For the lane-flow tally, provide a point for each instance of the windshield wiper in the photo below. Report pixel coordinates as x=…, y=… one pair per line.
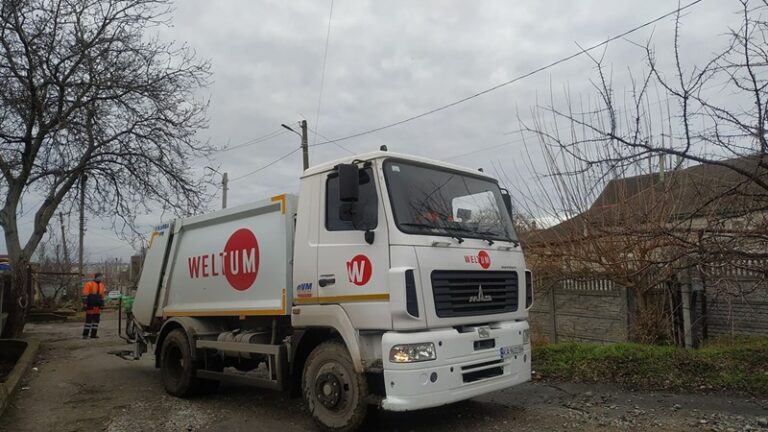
x=486, y=233
x=509, y=239
x=513, y=241
x=482, y=234
x=446, y=229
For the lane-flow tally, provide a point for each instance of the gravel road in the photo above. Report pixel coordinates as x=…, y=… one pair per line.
x=76, y=385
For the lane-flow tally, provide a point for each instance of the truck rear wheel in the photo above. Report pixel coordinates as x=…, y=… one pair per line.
x=177, y=369
x=334, y=393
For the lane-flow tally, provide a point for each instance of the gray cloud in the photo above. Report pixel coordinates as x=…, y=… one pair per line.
x=390, y=60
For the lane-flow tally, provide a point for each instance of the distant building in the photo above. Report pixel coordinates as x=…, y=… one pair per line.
x=706, y=221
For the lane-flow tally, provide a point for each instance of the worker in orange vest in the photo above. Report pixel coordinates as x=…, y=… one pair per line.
x=93, y=300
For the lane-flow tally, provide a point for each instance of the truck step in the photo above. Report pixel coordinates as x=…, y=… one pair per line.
x=240, y=379
x=277, y=364
x=240, y=347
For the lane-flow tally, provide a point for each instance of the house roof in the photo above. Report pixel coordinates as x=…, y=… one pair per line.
x=700, y=190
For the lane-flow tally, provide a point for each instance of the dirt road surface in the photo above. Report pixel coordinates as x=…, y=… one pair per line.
x=77, y=386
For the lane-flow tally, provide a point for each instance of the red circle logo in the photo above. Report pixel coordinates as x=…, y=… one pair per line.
x=241, y=259
x=484, y=259
x=359, y=270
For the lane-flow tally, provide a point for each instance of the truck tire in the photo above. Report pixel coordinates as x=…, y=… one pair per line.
x=177, y=369
x=335, y=394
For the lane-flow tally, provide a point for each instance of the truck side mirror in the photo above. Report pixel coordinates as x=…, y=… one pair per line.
x=349, y=182
x=347, y=212
x=507, y=198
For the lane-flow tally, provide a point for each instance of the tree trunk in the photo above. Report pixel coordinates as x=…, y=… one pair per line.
x=19, y=294
x=686, y=307
x=704, y=317
x=18, y=299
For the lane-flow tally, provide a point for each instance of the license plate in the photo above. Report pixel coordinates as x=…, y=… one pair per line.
x=510, y=350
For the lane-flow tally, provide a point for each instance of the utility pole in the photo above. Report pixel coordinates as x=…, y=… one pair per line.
x=82, y=223
x=304, y=141
x=64, y=240
x=305, y=144
x=224, y=182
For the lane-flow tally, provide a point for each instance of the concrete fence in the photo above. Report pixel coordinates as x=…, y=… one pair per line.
x=738, y=306
x=599, y=310
x=594, y=310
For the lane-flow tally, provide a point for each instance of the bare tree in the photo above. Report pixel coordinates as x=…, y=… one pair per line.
x=87, y=90
x=712, y=216
x=697, y=128
x=618, y=236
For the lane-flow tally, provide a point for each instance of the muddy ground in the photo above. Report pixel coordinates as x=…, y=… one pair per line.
x=6, y=366
x=77, y=386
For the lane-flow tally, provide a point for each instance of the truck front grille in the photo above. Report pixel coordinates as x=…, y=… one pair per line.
x=468, y=293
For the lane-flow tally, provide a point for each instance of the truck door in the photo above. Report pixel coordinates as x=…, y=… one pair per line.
x=350, y=270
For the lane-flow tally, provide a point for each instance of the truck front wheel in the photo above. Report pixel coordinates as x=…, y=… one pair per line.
x=176, y=367
x=334, y=393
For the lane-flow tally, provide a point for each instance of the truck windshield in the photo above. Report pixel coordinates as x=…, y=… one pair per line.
x=435, y=201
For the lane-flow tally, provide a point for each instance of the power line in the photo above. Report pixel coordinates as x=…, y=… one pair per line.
x=514, y=80
x=328, y=139
x=557, y=131
x=443, y=107
x=267, y=165
x=288, y=154
x=322, y=76
x=482, y=149
x=103, y=251
x=274, y=134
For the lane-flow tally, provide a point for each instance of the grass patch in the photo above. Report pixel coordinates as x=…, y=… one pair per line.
x=723, y=364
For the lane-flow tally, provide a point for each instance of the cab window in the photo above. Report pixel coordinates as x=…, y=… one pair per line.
x=362, y=215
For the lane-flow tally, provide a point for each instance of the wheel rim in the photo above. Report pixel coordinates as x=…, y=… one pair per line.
x=332, y=387
x=174, y=362
x=328, y=389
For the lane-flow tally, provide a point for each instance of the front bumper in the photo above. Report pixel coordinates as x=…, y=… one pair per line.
x=460, y=371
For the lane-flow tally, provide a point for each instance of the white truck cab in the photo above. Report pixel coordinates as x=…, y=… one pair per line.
x=390, y=279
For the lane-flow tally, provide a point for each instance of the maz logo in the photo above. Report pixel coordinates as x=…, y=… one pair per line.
x=480, y=297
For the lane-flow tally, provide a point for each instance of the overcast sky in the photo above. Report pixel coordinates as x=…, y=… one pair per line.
x=390, y=60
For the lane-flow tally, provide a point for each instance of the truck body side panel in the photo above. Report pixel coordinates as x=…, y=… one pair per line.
x=233, y=262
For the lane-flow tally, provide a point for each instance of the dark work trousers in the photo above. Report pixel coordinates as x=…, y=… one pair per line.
x=91, y=324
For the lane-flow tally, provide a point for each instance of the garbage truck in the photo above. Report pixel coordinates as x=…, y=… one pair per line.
x=389, y=280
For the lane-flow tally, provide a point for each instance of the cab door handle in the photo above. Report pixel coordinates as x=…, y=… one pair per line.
x=326, y=282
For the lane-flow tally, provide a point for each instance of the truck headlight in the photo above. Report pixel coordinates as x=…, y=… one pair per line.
x=410, y=353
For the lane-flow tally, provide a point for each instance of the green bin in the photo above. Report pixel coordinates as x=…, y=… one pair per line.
x=128, y=303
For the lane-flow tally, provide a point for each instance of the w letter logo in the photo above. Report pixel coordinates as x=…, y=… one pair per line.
x=359, y=270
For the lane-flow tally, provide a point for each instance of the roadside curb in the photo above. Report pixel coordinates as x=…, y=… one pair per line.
x=13, y=382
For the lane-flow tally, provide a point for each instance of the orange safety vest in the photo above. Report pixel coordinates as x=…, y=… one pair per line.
x=93, y=296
